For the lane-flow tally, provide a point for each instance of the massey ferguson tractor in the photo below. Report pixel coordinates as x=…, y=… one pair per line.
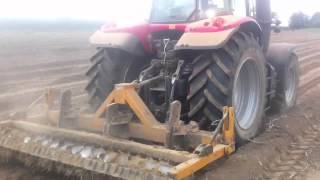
x=168, y=96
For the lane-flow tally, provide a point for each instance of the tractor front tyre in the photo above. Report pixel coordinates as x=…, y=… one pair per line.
x=110, y=67
x=234, y=75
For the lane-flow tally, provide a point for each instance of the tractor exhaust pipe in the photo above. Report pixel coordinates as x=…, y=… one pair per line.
x=264, y=17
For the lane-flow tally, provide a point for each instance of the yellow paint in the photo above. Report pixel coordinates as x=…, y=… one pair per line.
x=150, y=129
x=186, y=169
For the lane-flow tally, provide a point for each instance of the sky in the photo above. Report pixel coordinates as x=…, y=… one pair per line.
x=104, y=10
x=285, y=8
x=73, y=9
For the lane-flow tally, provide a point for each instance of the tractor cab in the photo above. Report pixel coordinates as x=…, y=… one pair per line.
x=181, y=11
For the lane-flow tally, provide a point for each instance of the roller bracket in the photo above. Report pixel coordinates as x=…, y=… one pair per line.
x=174, y=118
x=65, y=107
x=118, y=117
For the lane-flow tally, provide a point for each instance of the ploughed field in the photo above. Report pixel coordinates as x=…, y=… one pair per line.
x=32, y=61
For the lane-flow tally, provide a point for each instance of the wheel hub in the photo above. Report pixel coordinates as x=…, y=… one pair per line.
x=246, y=93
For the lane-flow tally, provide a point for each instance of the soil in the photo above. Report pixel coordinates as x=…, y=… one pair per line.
x=33, y=61
x=16, y=171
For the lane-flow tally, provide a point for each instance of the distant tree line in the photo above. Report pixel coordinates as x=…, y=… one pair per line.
x=300, y=20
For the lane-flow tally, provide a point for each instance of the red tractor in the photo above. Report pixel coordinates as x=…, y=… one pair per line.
x=200, y=53
x=171, y=95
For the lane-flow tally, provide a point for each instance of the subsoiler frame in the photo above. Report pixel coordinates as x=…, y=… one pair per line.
x=150, y=129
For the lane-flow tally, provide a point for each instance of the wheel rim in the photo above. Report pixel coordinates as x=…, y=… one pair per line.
x=290, y=90
x=247, y=93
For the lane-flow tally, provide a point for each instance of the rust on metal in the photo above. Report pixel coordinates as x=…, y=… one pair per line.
x=174, y=118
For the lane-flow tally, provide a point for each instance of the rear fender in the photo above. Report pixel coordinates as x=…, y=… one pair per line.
x=215, y=33
x=120, y=40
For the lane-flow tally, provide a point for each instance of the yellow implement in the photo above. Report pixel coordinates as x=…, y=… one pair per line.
x=123, y=139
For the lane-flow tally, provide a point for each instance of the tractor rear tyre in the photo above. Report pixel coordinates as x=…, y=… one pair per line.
x=288, y=83
x=234, y=75
x=110, y=67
